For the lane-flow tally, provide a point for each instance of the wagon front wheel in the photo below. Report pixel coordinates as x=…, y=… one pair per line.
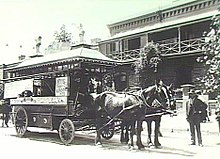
x=66, y=131
x=21, y=121
x=108, y=132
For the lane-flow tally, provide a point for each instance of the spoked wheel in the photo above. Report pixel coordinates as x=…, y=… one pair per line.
x=21, y=121
x=108, y=131
x=66, y=131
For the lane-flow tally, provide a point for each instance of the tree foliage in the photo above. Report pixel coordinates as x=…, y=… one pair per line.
x=63, y=35
x=211, y=59
x=149, y=57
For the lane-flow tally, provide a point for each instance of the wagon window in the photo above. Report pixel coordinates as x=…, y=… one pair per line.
x=45, y=87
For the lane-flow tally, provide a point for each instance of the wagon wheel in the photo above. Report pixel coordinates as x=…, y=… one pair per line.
x=21, y=121
x=66, y=131
x=108, y=131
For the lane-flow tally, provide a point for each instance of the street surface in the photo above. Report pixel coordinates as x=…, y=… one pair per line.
x=41, y=143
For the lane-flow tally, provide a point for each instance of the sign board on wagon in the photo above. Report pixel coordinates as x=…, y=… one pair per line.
x=62, y=85
x=13, y=89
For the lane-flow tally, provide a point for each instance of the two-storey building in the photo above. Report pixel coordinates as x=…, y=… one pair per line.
x=179, y=31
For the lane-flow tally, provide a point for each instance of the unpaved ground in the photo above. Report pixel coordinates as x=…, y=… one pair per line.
x=175, y=144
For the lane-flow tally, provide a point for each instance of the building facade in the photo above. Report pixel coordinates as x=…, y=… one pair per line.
x=178, y=29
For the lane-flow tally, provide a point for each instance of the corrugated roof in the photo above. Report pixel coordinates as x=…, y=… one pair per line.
x=69, y=55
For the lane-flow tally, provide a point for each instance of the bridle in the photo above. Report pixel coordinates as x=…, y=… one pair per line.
x=158, y=92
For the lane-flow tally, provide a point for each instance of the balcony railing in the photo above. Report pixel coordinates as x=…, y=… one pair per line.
x=126, y=55
x=175, y=48
x=186, y=46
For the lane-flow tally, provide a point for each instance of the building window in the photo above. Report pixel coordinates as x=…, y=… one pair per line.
x=125, y=45
x=134, y=43
x=112, y=47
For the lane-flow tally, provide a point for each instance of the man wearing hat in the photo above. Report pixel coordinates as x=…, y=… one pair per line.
x=194, y=111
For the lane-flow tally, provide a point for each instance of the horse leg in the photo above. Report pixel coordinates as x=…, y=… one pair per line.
x=126, y=137
x=132, y=132
x=98, y=131
x=159, y=133
x=149, y=129
x=157, y=126
x=122, y=132
x=98, y=138
x=139, y=129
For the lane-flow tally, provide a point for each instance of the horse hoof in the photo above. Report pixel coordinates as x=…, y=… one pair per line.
x=157, y=144
x=141, y=147
x=150, y=144
x=99, y=144
x=131, y=147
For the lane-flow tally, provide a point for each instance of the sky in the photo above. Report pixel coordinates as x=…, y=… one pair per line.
x=22, y=21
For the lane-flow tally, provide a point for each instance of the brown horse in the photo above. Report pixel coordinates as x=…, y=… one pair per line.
x=129, y=108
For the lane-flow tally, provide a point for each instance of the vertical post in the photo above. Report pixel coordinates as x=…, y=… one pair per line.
x=147, y=38
x=120, y=48
x=179, y=39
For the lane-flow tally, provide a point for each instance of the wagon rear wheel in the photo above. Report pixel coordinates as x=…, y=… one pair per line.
x=21, y=121
x=66, y=131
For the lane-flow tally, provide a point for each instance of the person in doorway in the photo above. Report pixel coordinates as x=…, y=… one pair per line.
x=194, y=110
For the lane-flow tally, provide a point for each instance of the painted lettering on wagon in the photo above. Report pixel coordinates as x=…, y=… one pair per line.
x=40, y=101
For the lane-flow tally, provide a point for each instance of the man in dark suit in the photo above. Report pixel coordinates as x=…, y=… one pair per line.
x=194, y=111
x=6, y=110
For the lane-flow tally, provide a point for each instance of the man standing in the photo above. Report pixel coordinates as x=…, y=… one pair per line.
x=194, y=110
x=6, y=110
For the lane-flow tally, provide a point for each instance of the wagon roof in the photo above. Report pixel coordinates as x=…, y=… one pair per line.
x=78, y=54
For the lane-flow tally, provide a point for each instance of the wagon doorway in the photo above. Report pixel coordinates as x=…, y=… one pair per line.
x=183, y=76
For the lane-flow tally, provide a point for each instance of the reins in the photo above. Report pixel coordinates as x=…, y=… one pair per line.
x=112, y=119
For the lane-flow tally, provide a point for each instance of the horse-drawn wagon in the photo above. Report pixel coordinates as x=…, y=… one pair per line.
x=54, y=91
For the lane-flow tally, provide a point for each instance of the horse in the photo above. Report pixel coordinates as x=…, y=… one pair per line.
x=122, y=106
x=130, y=108
x=158, y=99
x=154, y=115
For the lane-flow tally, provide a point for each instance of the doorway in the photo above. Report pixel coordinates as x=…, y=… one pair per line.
x=183, y=76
